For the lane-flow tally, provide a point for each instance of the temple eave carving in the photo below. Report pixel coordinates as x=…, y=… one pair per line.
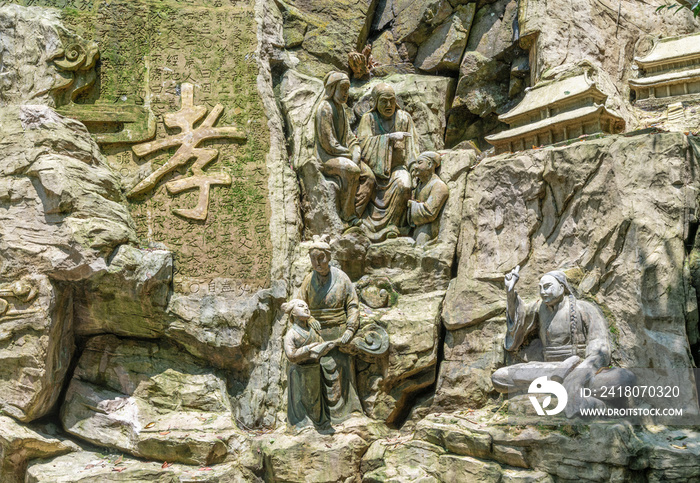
x=565, y=126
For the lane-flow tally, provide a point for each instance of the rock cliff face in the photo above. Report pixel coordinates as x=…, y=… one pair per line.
x=139, y=345
x=62, y=217
x=602, y=212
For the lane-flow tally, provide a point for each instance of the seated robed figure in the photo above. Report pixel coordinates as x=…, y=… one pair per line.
x=337, y=147
x=575, y=340
x=390, y=145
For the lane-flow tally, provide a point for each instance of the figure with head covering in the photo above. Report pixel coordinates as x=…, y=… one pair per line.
x=334, y=303
x=390, y=144
x=429, y=196
x=306, y=395
x=574, y=336
x=337, y=147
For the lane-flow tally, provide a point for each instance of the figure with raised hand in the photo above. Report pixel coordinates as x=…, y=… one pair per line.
x=574, y=337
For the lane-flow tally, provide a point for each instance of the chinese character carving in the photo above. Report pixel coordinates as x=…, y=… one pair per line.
x=188, y=139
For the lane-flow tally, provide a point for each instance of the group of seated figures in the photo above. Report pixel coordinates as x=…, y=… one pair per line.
x=321, y=377
x=374, y=170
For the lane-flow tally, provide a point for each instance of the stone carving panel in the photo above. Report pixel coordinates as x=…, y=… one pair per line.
x=188, y=139
x=145, y=61
x=574, y=339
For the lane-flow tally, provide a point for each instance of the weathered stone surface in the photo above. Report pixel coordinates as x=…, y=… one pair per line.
x=32, y=75
x=619, y=236
x=468, y=128
x=308, y=456
x=413, y=21
x=93, y=467
x=443, y=49
x=386, y=54
x=596, y=453
x=483, y=84
x=19, y=444
x=405, y=459
x=491, y=77
x=456, y=468
x=455, y=435
x=401, y=460
x=36, y=68
x=471, y=355
x=492, y=29
x=602, y=40
x=525, y=476
x=283, y=186
x=329, y=32
x=129, y=297
x=386, y=386
x=63, y=210
x=483, y=92
x=599, y=452
x=36, y=347
x=150, y=400
x=221, y=329
x=669, y=463
x=239, y=334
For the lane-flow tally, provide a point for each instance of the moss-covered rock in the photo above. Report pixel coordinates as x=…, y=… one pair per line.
x=150, y=400
x=129, y=298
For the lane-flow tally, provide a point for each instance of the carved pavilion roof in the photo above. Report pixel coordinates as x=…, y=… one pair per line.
x=553, y=94
x=671, y=49
x=667, y=78
x=580, y=115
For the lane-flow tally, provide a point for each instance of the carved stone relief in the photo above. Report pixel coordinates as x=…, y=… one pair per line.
x=76, y=69
x=323, y=342
x=374, y=190
x=23, y=291
x=216, y=219
x=188, y=140
x=575, y=343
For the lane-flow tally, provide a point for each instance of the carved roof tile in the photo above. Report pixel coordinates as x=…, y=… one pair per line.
x=667, y=78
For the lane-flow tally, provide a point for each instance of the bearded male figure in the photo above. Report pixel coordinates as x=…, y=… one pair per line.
x=390, y=144
x=574, y=337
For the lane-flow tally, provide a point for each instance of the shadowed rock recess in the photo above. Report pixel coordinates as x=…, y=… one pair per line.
x=227, y=256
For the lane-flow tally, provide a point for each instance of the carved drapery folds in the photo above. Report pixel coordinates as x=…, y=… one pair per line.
x=375, y=192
